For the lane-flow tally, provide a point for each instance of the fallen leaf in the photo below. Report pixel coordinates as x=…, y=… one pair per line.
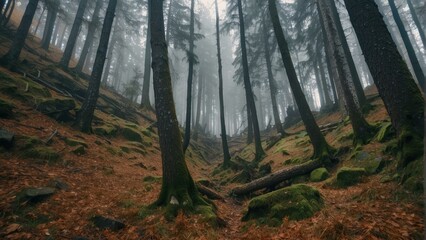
x=12, y=228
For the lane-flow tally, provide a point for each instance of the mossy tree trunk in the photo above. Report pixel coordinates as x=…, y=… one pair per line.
x=12, y=56
x=271, y=80
x=85, y=114
x=147, y=68
x=401, y=96
x=408, y=45
x=321, y=148
x=362, y=130
x=178, y=190
x=75, y=30
x=225, y=148
x=248, y=88
x=191, y=62
x=91, y=31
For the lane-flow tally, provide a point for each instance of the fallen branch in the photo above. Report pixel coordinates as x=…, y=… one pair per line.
x=51, y=136
x=275, y=178
x=210, y=193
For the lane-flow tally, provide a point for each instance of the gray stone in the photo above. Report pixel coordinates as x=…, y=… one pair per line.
x=6, y=139
x=107, y=223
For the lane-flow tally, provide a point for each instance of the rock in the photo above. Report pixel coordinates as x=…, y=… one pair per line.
x=59, y=184
x=41, y=153
x=55, y=105
x=319, y=174
x=349, y=176
x=131, y=134
x=105, y=130
x=34, y=195
x=375, y=166
x=412, y=176
x=79, y=150
x=79, y=238
x=107, y=223
x=295, y=202
x=386, y=132
x=360, y=156
x=6, y=139
x=265, y=169
x=6, y=109
x=73, y=142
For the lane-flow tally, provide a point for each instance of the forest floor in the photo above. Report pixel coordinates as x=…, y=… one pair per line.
x=117, y=171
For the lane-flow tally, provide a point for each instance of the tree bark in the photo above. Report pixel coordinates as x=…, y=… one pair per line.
x=417, y=22
x=12, y=56
x=178, y=190
x=362, y=130
x=147, y=70
x=191, y=62
x=271, y=81
x=75, y=30
x=273, y=179
x=248, y=88
x=410, y=50
x=321, y=148
x=52, y=13
x=91, y=31
x=197, y=126
x=327, y=99
x=359, y=90
x=39, y=20
x=85, y=114
x=9, y=15
x=401, y=96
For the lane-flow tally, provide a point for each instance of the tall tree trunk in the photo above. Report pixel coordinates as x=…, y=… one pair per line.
x=9, y=15
x=410, y=50
x=2, y=3
x=75, y=30
x=417, y=22
x=91, y=31
x=39, y=20
x=321, y=148
x=52, y=13
x=169, y=17
x=198, y=111
x=191, y=59
x=359, y=90
x=223, y=135
x=6, y=10
x=271, y=81
x=147, y=70
x=85, y=114
x=327, y=99
x=402, y=98
x=362, y=130
x=62, y=37
x=178, y=190
x=12, y=56
x=248, y=89
x=318, y=82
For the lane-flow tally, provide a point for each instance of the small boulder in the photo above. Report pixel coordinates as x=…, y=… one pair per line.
x=59, y=184
x=79, y=150
x=349, y=176
x=47, y=106
x=105, y=130
x=41, y=153
x=295, y=202
x=6, y=139
x=34, y=195
x=131, y=134
x=319, y=174
x=73, y=142
x=6, y=109
x=107, y=223
x=375, y=165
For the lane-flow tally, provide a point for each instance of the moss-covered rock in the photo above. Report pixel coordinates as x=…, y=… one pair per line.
x=6, y=109
x=41, y=153
x=131, y=134
x=319, y=174
x=74, y=143
x=55, y=105
x=25, y=142
x=386, y=132
x=79, y=150
x=105, y=130
x=295, y=202
x=412, y=176
x=349, y=176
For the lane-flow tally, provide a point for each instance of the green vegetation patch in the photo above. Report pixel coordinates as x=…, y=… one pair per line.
x=386, y=132
x=349, y=176
x=412, y=176
x=105, y=130
x=74, y=143
x=319, y=174
x=295, y=202
x=131, y=134
x=42, y=153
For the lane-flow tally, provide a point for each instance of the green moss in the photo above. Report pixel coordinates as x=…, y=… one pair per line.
x=386, y=132
x=152, y=179
x=79, y=150
x=26, y=142
x=412, y=176
x=295, y=161
x=319, y=174
x=295, y=202
x=105, y=130
x=349, y=176
x=55, y=105
x=42, y=153
x=73, y=142
x=131, y=134
x=410, y=148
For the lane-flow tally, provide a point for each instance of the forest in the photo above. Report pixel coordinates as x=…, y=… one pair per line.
x=212, y=119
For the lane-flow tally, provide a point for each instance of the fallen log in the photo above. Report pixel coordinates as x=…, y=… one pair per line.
x=275, y=178
x=210, y=193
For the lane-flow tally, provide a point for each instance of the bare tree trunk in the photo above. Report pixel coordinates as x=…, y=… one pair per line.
x=6, y=21
x=39, y=20
x=12, y=56
x=147, y=69
x=85, y=114
x=75, y=31
x=52, y=13
x=417, y=22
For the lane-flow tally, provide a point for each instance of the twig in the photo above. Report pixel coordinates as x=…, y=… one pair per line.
x=51, y=136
